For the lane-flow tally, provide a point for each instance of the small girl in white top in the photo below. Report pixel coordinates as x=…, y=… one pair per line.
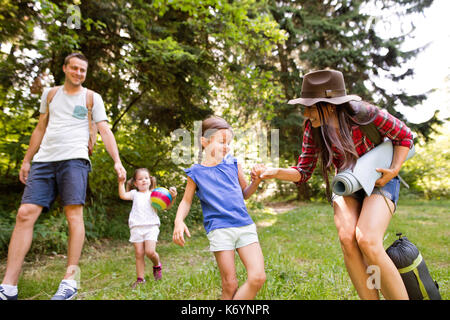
x=143, y=221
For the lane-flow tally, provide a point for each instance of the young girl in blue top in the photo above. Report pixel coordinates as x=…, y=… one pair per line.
x=219, y=182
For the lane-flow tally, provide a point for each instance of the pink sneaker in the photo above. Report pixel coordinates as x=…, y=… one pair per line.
x=157, y=272
x=137, y=283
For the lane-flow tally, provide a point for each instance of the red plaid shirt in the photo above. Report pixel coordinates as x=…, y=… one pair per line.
x=388, y=126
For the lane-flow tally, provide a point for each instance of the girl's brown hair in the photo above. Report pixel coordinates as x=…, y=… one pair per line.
x=130, y=182
x=327, y=136
x=209, y=127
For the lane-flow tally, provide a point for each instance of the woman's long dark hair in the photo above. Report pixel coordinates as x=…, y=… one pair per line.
x=326, y=137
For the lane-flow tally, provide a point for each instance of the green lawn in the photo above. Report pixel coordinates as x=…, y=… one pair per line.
x=302, y=257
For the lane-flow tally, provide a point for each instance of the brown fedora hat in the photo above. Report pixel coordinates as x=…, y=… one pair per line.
x=323, y=85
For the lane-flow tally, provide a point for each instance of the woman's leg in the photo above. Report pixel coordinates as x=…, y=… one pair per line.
x=372, y=224
x=346, y=214
x=140, y=262
x=253, y=260
x=227, y=268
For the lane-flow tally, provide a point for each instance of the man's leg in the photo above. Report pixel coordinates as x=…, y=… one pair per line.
x=74, y=215
x=20, y=242
x=71, y=177
x=68, y=287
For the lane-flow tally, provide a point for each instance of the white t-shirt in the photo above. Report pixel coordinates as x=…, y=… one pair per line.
x=67, y=133
x=142, y=213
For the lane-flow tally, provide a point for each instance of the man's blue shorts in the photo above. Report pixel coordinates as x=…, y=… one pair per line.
x=67, y=178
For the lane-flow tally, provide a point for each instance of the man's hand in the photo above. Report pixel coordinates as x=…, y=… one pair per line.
x=24, y=171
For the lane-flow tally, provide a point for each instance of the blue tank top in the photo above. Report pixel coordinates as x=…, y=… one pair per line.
x=220, y=195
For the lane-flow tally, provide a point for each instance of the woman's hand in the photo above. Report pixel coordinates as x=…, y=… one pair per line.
x=387, y=175
x=400, y=154
x=269, y=173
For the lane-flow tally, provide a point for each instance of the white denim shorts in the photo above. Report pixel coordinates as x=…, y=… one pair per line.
x=144, y=233
x=232, y=238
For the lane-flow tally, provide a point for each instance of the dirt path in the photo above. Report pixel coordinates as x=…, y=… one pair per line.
x=281, y=207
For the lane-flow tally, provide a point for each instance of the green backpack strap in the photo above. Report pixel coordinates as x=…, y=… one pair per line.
x=371, y=132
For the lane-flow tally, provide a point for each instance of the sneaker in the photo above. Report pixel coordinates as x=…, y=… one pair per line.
x=65, y=292
x=138, y=282
x=4, y=296
x=157, y=272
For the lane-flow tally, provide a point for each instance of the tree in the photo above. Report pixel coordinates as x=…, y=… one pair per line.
x=156, y=64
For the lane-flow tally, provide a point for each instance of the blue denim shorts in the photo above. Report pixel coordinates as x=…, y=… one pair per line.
x=390, y=190
x=47, y=180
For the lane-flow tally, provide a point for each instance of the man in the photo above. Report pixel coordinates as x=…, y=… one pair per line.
x=60, y=165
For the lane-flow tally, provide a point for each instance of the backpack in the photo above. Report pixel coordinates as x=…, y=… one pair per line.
x=365, y=113
x=89, y=105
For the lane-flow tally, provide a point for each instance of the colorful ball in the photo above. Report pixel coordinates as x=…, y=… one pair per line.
x=160, y=198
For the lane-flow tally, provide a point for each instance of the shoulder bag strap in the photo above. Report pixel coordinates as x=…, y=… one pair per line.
x=50, y=95
x=92, y=126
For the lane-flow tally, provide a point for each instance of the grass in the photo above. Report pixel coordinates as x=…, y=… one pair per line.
x=302, y=254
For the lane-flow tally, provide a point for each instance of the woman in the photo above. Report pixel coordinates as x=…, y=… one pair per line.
x=333, y=134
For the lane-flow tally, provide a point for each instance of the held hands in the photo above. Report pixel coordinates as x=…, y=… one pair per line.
x=121, y=179
x=256, y=172
x=178, y=233
x=260, y=171
x=121, y=172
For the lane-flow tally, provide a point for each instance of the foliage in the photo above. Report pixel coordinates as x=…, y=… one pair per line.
x=428, y=172
x=162, y=65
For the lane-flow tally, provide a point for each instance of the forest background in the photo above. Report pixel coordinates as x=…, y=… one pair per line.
x=160, y=66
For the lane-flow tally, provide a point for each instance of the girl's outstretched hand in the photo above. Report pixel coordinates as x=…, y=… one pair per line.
x=178, y=233
x=257, y=170
x=121, y=179
x=173, y=192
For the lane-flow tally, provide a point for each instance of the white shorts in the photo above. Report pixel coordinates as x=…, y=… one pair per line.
x=232, y=238
x=144, y=233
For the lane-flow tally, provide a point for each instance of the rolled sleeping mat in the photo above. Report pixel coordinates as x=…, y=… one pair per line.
x=413, y=270
x=364, y=174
